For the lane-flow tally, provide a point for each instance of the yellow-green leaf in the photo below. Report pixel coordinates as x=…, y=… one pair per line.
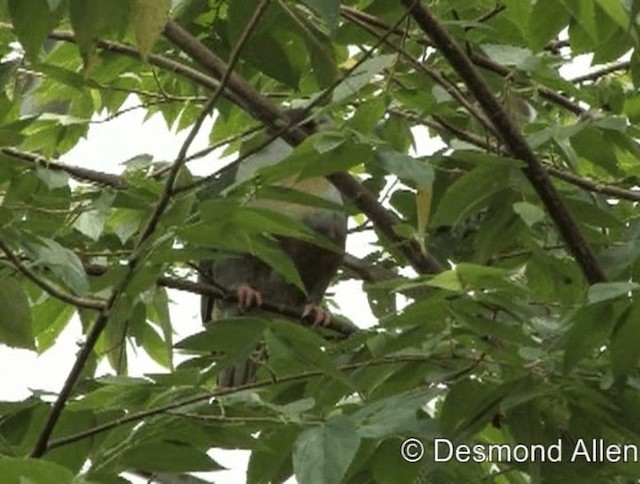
x=149, y=18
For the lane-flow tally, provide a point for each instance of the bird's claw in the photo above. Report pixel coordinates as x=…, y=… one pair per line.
x=322, y=317
x=248, y=296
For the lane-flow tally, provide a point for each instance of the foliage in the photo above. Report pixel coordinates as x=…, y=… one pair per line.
x=523, y=319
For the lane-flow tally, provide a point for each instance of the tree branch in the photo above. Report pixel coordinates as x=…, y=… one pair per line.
x=76, y=172
x=436, y=76
x=103, y=318
x=260, y=108
x=597, y=74
x=222, y=391
x=479, y=60
x=48, y=286
x=206, y=289
x=512, y=138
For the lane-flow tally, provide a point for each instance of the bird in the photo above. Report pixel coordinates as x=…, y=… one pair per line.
x=251, y=279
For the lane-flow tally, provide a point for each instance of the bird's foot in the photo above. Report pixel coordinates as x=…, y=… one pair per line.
x=248, y=296
x=322, y=317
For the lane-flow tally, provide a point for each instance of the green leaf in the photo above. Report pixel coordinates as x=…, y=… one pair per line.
x=329, y=9
x=591, y=144
x=124, y=222
x=175, y=458
x=547, y=19
x=397, y=414
x=15, y=317
x=62, y=262
x=293, y=348
x=468, y=407
x=229, y=237
x=20, y=470
x=74, y=455
x=91, y=223
x=606, y=291
x=323, y=453
x=470, y=193
x=274, y=46
x=230, y=340
x=625, y=352
x=507, y=55
x=590, y=329
x=52, y=178
x=405, y=167
x=256, y=220
x=32, y=23
x=361, y=76
x=307, y=161
x=156, y=347
x=272, y=464
x=50, y=318
x=149, y=18
x=530, y=213
x=616, y=11
x=90, y=19
x=483, y=327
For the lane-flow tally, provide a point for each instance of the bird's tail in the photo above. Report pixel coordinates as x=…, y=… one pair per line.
x=239, y=374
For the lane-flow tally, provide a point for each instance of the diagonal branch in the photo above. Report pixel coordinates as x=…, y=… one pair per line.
x=222, y=391
x=512, y=138
x=96, y=330
x=260, y=108
x=480, y=60
x=48, y=286
x=434, y=74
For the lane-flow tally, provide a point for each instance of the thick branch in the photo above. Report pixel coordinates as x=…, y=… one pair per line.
x=593, y=185
x=512, y=138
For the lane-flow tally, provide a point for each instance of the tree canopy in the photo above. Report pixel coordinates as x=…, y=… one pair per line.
x=515, y=245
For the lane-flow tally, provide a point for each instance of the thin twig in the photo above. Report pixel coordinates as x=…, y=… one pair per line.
x=47, y=286
x=597, y=74
x=103, y=318
x=222, y=391
x=436, y=76
x=78, y=173
x=218, y=292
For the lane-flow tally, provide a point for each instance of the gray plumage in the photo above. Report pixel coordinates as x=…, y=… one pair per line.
x=315, y=265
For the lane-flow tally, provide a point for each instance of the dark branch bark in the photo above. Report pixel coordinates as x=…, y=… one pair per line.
x=512, y=138
x=76, y=172
x=137, y=254
x=205, y=289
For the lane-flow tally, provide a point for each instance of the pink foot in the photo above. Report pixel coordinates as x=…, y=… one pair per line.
x=322, y=317
x=248, y=296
